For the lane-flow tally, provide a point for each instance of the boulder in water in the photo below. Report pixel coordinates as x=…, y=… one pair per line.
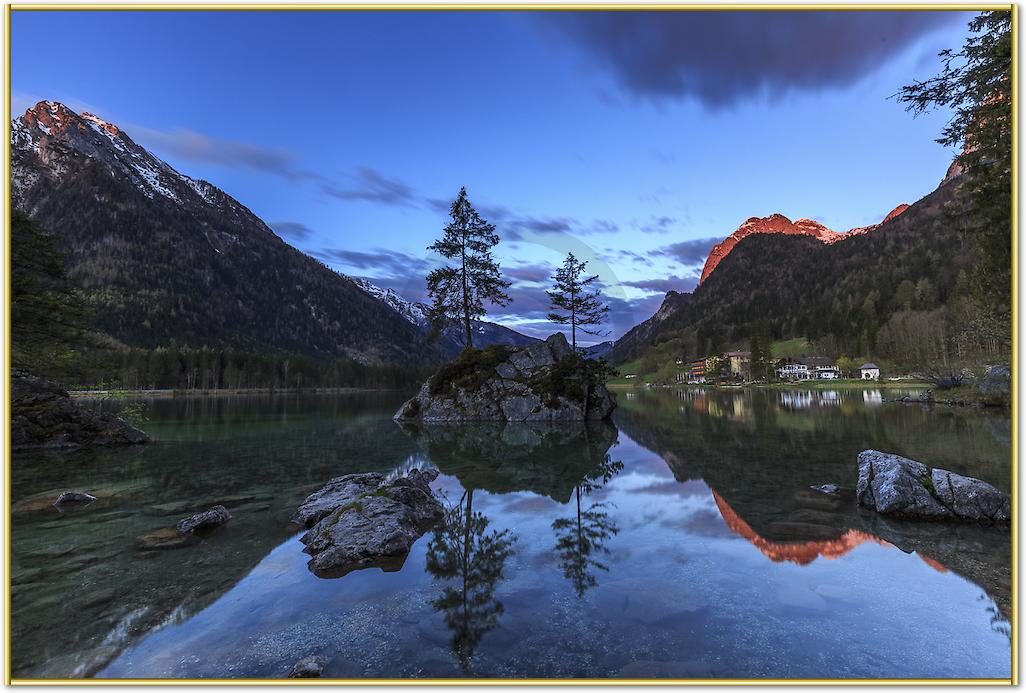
x=44, y=416
x=307, y=668
x=73, y=499
x=366, y=520
x=207, y=519
x=895, y=485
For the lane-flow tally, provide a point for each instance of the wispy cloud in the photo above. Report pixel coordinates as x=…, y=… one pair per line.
x=370, y=185
x=199, y=148
x=662, y=285
x=293, y=230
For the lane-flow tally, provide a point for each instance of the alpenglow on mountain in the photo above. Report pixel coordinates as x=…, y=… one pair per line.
x=165, y=257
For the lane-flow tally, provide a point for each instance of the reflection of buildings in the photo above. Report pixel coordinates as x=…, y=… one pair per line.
x=796, y=399
x=872, y=397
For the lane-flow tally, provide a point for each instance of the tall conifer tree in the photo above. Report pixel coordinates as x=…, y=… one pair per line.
x=574, y=296
x=458, y=291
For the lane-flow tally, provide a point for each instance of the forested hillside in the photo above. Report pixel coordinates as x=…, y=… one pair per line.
x=901, y=292
x=165, y=259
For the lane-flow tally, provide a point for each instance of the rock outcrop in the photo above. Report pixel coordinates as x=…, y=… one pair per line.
x=545, y=381
x=44, y=416
x=365, y=520
x=895, y=485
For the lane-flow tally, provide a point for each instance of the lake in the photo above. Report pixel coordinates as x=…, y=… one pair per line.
x=683, y=540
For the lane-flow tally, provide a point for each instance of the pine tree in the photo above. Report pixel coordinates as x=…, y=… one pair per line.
x=50, y=322
x=976, y=84
x=574, y=295
x=458, y=292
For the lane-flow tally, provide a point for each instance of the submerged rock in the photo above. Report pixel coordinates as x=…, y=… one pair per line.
x=214, y=517
x=365, y=520
x=73, y=498
x=44, y=416
x=828, y=489
x=307, y=668
x=895, y=485
x=544, y=381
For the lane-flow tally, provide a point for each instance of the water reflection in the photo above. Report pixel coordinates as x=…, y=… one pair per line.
x=761, y=474
x=580, y=540
x=700, y=551
x=470, y=559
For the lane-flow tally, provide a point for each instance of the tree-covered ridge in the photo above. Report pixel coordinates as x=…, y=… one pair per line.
x=180, y=260
x=901, y=291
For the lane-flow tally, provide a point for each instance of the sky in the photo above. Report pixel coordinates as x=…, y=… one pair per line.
x=635, y=140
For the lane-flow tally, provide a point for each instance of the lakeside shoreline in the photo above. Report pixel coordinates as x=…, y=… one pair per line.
x=87, y=394
x=850, y=384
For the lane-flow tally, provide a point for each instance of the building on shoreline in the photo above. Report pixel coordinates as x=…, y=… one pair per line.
x=869, y=371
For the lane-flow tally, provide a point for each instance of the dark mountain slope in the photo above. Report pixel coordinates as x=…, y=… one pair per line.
x=165, y=257
x=797, y=286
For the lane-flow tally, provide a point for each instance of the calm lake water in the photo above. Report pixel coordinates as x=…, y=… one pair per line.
x=684, y=541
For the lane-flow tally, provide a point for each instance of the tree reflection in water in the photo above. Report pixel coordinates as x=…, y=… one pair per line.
x=463, y=552
x=581, y=540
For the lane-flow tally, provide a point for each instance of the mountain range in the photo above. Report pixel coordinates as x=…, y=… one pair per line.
x=779, y=224
x=793, y=279
x=166, y=258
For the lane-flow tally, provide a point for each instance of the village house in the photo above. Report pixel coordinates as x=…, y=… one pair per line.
x=696, y=371
x=869, y=371
x=788, y=369
x=739, y=364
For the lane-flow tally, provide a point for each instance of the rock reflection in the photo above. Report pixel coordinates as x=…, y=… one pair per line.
x=546, y=459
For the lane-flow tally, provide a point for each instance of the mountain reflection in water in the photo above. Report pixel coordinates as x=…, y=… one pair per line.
x=633, y=550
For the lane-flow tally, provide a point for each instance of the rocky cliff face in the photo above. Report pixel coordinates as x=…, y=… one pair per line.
x=778, y=223
x=545, y=381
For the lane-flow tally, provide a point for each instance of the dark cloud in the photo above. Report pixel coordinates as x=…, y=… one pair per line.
x=369, y=185
x=664, y=285
x=724, y=57
x=292, y=230
x=529, y=273
x=691, y=252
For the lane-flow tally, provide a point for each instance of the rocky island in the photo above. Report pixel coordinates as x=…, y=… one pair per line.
x=545, y=381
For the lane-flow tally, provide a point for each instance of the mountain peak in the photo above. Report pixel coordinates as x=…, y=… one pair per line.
x=778, y=223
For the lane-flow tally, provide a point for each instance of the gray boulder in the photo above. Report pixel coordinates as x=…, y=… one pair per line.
x=541, y=382
x=307, y=668
x=365, y=520
x=207, y=519
x=44, y=416
x=895, y=485
x=997, y=380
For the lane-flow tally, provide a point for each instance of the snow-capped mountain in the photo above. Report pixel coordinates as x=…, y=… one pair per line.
x=417, y=314
x=162, y=256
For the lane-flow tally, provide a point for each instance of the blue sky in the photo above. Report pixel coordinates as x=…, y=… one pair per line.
x=634, y=139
